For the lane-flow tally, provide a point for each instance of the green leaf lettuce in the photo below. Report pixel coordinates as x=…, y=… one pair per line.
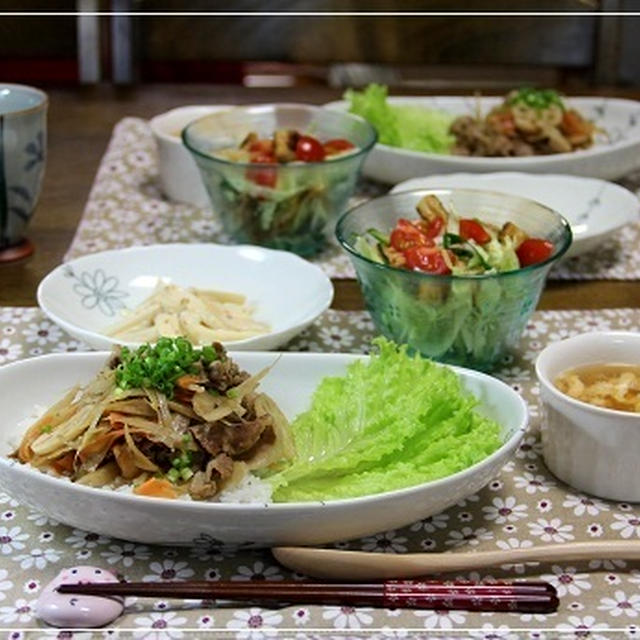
x=391, y=422
x=399, y=125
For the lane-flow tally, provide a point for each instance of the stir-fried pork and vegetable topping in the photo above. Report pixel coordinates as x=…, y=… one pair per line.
x=439, y=242
x=528, y=122
x=170, y=419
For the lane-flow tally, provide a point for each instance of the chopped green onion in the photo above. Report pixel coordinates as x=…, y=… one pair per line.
x=536, y=98
x=208, y=354
x=159, y=366
x=186, y=473
x=173, y=475
x=232, y=393
x=46, y=429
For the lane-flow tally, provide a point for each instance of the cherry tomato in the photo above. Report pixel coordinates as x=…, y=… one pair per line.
x=337, y=145
x=262, y=146
x=426, y=259
x=406, y=235
x=308, y=149
x=473, y=230
x=534, y=250
x=265, y=177
x=431, y=229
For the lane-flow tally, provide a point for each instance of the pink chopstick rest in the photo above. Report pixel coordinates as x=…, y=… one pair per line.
x=69, y=610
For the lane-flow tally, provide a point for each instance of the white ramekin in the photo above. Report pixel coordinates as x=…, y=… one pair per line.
x=179, y=176
x=590, y=448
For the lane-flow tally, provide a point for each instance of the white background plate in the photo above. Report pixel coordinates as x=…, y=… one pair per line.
x=41, y=381
x=611, y=157
x=595, y=209
x=85, y=296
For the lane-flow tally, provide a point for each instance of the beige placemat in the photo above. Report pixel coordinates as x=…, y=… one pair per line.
x=523, y=506
x=126, y=208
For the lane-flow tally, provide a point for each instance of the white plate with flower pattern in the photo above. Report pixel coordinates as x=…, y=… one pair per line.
x=595, y=209
x=615, y=153
x=87, y=295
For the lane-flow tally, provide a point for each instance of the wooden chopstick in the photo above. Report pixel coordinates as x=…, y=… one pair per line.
x=531, y=597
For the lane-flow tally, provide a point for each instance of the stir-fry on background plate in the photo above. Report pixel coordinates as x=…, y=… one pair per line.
x=88, y=295
x=595, y=209
x=41, y=381
x=614, y=154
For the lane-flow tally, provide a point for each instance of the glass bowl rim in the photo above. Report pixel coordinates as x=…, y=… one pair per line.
x=564, y=226
x=373, y=135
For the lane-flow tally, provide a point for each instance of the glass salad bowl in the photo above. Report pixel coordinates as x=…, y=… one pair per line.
x=282, y=205
x=467, y=320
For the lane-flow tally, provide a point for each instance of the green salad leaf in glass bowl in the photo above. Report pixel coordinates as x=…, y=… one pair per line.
x=278, y=174
x=455, y=274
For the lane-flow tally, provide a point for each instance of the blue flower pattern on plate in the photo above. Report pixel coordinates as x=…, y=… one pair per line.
x=98, y=290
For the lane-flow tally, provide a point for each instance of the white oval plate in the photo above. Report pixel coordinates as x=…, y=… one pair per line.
x=608, y=158
x=595, y=209
x=41, y=381
x=87, y=295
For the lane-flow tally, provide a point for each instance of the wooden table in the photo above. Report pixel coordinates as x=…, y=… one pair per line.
x=80, y=125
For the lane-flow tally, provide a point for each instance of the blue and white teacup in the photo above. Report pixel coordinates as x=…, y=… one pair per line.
x=23, y=145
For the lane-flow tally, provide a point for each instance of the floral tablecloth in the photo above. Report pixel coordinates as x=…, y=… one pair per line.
x=522, y=507
x=126, y=208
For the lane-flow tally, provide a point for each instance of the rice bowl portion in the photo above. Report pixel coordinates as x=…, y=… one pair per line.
x=230, y=519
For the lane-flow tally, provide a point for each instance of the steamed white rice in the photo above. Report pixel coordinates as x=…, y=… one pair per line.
x=250, y=490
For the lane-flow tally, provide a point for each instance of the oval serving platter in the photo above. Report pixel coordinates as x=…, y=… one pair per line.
x=613, y=155
x=42, y=380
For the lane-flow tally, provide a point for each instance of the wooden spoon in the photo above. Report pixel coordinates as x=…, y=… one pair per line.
x=361, y=565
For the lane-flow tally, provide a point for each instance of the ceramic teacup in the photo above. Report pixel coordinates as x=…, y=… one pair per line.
x=23, y=144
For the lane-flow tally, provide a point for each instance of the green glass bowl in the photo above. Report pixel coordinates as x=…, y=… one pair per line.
x=471, y=321
x=282, y=206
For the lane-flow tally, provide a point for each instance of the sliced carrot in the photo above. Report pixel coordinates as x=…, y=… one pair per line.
x=156, y=488
x=64, y=464
x=185, y=381
x=573, y=124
